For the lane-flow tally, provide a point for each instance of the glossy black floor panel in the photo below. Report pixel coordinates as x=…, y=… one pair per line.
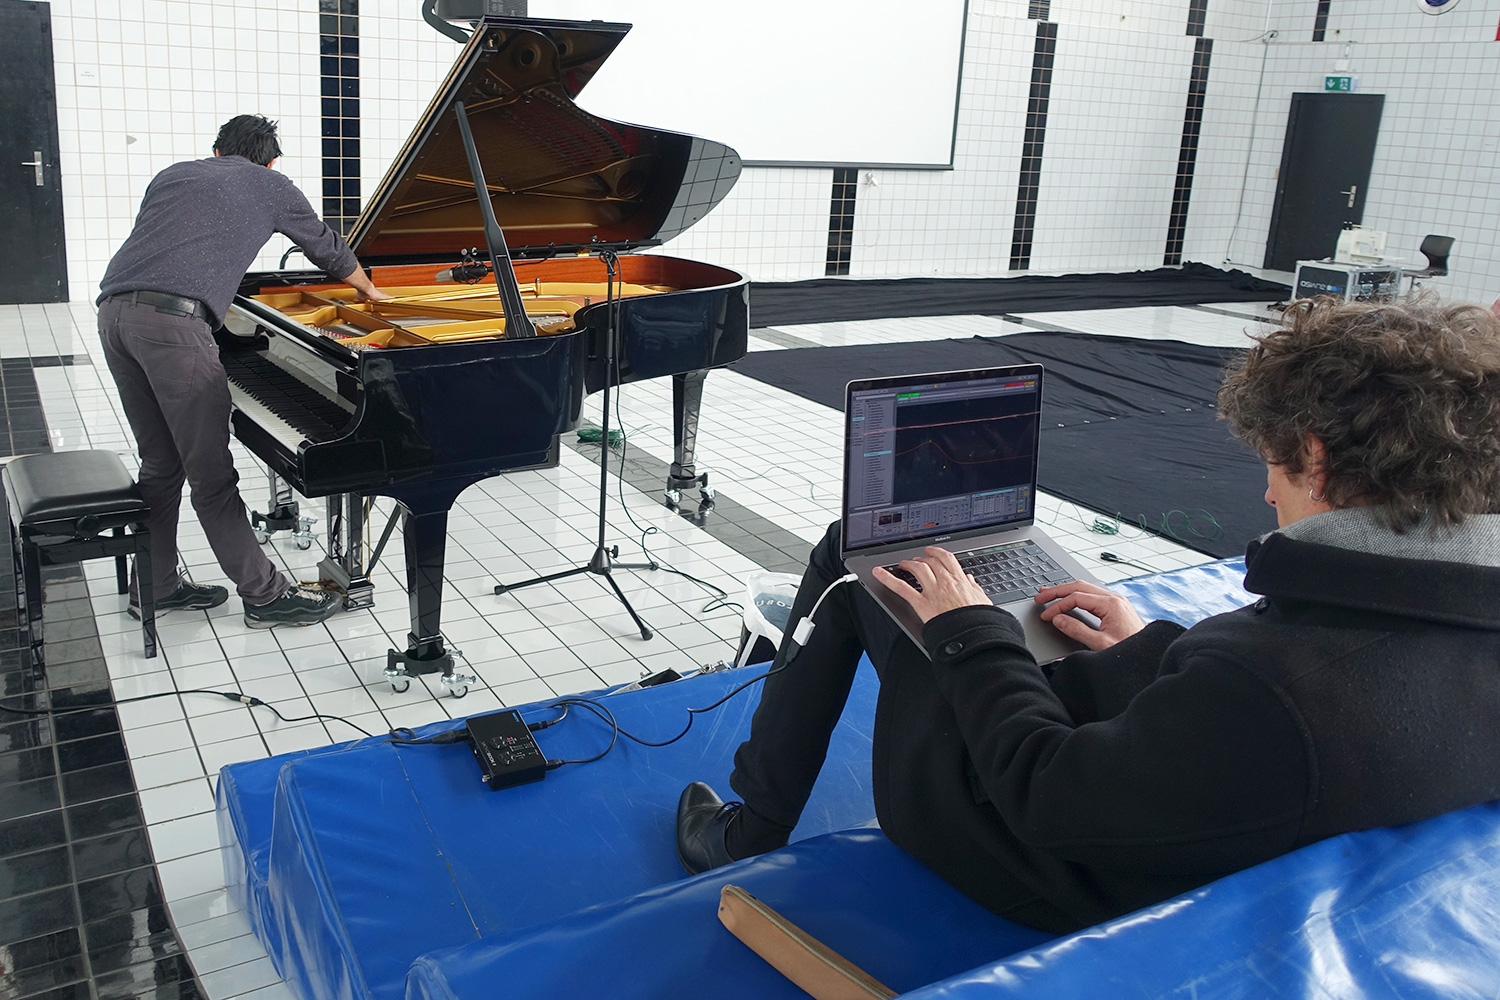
x=82, y=912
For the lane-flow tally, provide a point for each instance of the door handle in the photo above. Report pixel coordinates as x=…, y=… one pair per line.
x=1353, y=188
x=36, y=163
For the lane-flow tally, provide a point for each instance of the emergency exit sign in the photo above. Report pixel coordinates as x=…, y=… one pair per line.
x=1340, y=82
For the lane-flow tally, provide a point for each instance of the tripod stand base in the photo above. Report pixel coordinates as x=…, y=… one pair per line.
x=600, y=564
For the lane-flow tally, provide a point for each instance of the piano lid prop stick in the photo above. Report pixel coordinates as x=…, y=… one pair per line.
x=517, y=323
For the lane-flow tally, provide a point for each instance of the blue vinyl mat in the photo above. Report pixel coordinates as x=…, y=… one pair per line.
x=353, y=863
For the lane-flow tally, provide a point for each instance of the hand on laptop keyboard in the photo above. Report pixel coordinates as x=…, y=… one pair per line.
x=937, y=584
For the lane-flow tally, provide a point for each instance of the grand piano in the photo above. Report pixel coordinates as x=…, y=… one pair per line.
x=501, y=314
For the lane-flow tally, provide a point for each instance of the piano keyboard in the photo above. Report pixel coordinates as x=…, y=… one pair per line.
x=291, y=410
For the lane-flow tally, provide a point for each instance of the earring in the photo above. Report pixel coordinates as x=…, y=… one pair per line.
x=1317, y=499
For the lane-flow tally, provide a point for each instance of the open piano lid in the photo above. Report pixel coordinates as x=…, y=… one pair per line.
x=557, y=174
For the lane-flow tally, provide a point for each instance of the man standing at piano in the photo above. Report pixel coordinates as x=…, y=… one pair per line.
x=201, y=224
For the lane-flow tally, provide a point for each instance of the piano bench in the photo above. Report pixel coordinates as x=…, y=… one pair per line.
x=61, y=504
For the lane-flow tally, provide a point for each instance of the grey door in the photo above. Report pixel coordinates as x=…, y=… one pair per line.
x=33, y=266
x=1325, y=174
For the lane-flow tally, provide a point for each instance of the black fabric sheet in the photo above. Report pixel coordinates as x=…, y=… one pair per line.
x=828, y=300
x=1129, y=427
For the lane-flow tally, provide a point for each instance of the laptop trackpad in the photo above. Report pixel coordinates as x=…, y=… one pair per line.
x=1042, y=638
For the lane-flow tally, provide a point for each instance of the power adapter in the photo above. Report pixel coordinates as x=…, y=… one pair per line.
x=506, y=750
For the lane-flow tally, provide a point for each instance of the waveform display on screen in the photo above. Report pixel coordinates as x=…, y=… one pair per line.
x=964, y=446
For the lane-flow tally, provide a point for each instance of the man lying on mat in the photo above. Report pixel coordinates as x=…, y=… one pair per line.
x=1362, y=690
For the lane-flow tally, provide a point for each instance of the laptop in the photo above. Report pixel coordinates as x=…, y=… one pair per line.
x=950, y=459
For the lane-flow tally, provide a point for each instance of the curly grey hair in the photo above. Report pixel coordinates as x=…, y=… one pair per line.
x=1405, y=396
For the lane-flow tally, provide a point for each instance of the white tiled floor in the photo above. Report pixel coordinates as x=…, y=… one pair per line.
x=768, y=450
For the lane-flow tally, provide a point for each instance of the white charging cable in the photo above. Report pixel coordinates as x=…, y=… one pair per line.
x=804, y=629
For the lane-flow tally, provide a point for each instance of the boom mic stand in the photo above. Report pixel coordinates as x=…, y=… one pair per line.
x=602, y=562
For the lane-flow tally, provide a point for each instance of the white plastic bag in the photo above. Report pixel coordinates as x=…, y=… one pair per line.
x=768, y=610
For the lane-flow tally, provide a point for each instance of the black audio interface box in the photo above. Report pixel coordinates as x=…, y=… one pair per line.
x=506, y=751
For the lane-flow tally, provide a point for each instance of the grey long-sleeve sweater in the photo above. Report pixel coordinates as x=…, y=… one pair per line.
x=201, y=224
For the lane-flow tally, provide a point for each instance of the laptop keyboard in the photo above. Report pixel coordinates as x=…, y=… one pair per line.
x=1011, y=572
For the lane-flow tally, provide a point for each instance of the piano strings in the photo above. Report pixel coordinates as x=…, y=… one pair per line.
x=425, y=314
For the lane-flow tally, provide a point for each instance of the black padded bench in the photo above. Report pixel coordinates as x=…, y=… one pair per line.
x=61, y=505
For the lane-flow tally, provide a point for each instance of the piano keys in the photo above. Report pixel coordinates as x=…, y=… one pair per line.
x=420, y=396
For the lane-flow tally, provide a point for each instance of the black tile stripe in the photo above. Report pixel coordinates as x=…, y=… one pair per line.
x=1320, y=21
x=1197, y=17
x=1031, y=147
x=1187, y=157
x=769, y=545
x=841, y=220
x=1039, y=10
x=338, y=47
x=82, y=912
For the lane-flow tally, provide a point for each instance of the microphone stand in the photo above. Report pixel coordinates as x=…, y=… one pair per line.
x=602, y=562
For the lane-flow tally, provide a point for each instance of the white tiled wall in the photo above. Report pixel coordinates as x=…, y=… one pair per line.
x=1439, y=134
x=144, y=83
x=1117, y=98
x=166, y=73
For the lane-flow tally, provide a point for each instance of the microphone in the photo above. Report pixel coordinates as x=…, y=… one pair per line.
x=463, y=273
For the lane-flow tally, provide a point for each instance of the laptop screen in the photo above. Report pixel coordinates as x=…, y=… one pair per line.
x=928, y=455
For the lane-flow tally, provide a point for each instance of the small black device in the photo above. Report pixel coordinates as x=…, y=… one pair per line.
x=506, y=751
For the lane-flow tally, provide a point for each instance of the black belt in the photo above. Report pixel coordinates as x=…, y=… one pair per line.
x=175, y=305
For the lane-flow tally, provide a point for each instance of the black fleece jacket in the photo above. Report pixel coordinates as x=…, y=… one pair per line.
x=1361, y=691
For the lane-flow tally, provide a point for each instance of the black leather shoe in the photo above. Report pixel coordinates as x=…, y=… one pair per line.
x=702, y=819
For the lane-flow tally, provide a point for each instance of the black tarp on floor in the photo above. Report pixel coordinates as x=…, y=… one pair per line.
x=828, y=300
x=1129, y=427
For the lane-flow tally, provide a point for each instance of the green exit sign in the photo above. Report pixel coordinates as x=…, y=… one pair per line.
x=1340, y=82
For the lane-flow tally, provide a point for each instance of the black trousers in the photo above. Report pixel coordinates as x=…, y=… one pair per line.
x=774, y=770
x=176, y=398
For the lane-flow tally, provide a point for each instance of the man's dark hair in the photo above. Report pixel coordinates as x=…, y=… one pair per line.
x=1404, y=395
x=250, y=136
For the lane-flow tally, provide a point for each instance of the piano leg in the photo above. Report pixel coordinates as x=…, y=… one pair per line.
x=426, y=539
x=283, y=515
x=687, y=402
x=345, y=566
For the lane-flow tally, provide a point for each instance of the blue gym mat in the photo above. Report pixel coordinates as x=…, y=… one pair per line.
x=354, y=862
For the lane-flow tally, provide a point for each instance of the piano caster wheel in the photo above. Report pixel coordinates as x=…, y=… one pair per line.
x=706, y=498
x=399, y=679
x=458, y=683
x=262, y=537
x=672, y=498
x=303, y=543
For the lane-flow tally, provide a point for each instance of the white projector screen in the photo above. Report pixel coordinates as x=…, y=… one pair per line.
x=802, y=82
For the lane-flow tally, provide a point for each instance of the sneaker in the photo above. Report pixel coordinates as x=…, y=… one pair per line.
x=298, y=606
x=187, y=597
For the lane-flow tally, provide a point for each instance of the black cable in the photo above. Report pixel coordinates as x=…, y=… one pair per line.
x=613, y=738
x=616, y=730
x=239, y=696
x=794, y=643
x=721, y=596
x=1110, y=557
x=448, y=736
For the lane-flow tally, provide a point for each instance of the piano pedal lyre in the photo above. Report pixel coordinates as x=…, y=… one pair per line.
x=284, y=515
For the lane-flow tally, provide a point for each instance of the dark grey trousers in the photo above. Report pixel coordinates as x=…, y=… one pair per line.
x=176, y=397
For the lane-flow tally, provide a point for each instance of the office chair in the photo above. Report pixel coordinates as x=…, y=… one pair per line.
x=1435, y=249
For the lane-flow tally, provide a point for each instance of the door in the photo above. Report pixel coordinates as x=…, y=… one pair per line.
x=1324, y=176
x=33, y=267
